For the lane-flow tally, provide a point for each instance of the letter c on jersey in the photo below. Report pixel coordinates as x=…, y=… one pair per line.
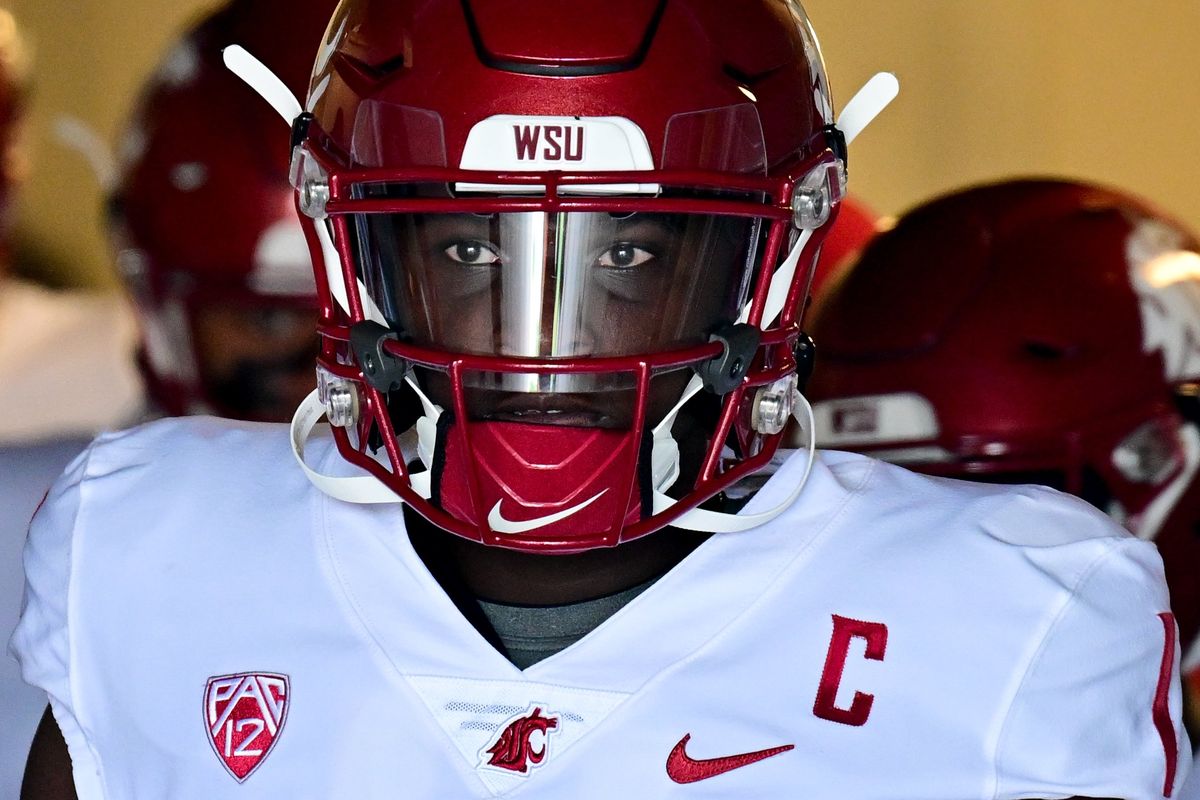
x=845, y=630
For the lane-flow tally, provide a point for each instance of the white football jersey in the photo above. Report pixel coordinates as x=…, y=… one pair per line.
x=1191, y=787
x=26, y=472
x=207, y=625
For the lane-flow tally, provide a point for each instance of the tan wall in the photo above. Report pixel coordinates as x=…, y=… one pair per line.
x=1098, y=89
x=89, y=59
x=1095, y=88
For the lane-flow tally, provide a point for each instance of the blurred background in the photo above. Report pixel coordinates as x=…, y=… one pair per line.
x=1095, y=89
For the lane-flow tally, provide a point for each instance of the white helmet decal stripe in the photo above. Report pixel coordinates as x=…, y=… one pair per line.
x=1167, y=281
x=282, y=263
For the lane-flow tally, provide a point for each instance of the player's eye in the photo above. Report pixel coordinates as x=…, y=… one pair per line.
x=624, y=255
x=473, y=252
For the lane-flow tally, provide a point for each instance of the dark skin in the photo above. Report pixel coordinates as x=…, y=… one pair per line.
x=225, y=334
x=48, y=770
x=507, y=576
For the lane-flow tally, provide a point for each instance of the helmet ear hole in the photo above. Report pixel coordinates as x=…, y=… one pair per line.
x=1094, y=490
x=1044, y=350
x=1187, y=402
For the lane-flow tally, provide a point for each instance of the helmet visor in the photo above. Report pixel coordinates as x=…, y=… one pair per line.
x=557, y=284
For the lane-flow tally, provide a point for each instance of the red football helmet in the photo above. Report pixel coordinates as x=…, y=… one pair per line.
x=1032, y=331
x=204, y=224
x=549, y=238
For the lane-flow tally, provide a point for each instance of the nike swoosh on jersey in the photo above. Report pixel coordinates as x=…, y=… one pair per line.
x=499, y=524
x=682, y=768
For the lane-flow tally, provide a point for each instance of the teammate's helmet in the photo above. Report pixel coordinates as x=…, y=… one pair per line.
x=549, y=229
x=204, y=224
x=1032, y=331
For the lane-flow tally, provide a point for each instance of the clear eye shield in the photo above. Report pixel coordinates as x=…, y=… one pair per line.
x=556, y=285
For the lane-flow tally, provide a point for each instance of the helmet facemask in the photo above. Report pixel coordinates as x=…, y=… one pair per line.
x=553, y=326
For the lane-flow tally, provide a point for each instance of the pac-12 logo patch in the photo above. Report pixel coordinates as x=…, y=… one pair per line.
x=244, y=714
x=523, y=744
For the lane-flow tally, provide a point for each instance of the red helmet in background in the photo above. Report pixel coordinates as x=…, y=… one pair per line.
x=855, y=227
x=204, y=225
x=1032, y=331
x=551, y=236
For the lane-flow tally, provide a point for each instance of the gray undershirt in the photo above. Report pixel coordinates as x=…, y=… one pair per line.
x=532, y=633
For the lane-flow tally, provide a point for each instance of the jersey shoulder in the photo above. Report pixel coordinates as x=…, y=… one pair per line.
x=149, y=488
x=191, y=443
x=1009, y=540
x=1026, y=515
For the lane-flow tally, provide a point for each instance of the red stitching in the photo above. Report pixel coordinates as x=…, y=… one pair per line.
x=844, y=630
x=1162, y=696
x=682, y=768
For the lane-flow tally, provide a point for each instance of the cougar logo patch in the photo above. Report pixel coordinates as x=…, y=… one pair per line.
x=244, y=715
x=523, y=744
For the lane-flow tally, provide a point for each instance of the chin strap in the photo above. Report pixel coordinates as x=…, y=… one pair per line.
x=79, y=136
x=699, y=519
x=364, y=489
x=360, y=489
x=259, y=77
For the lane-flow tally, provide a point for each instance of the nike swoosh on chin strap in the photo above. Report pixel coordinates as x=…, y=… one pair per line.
x=682, y=768
x=499, y=524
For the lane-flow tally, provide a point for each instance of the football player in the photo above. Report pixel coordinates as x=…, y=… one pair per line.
x=204, y=227
x=561, y=267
